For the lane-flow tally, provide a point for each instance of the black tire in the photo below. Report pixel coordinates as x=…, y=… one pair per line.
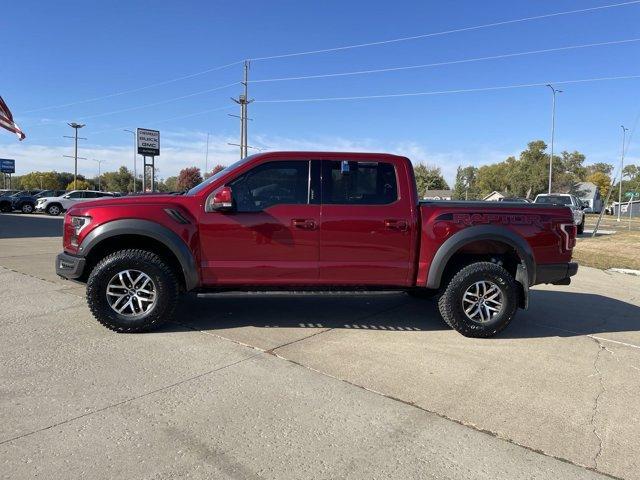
x=423, y=293
x=451, y=307
x=165, y=285
x=581, y=226
x=54, y=209
x=27, y=208
x=5, y=207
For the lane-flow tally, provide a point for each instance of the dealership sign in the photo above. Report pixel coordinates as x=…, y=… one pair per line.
x=7, y=166
x=148, y=142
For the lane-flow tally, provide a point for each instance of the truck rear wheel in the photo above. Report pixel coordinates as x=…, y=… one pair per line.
x=132, y=291
x=480, y=300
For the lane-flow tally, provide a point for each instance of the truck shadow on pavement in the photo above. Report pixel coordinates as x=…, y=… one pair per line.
x=551, y=313
x=26, y=226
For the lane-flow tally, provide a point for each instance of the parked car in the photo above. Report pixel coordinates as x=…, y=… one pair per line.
x=50, y=193
x=300, y=220
x=514, y=199
x=571, y=201
x=23, y=201
x=56, y=205
x=7, y=202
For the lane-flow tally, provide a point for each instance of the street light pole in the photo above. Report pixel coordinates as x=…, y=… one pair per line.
x=553, y=131
x=135, y=172
x=99, y=174
x=76, y=127
x=624, y=135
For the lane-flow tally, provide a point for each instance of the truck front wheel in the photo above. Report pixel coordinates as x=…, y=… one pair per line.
x=480, y=300
x=132, y=291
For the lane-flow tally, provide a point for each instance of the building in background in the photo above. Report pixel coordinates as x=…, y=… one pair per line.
x=438, y=195
x=494, y=196
x=635, y=209
x=589, y=194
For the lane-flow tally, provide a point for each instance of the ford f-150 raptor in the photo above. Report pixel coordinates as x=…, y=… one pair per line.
x=314, y=220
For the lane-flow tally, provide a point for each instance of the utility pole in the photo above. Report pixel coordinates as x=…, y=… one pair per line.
x=135, y=171
x=243, y=101
x=76, y=127
x=206, y=156
x=553, y=131
x=624, y=136
x=99, y=174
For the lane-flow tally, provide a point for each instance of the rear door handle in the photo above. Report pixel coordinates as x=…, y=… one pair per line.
x=393, y=224
x=304, y=223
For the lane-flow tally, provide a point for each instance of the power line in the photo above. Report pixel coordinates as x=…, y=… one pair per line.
x=133, y=90
x=162, y=102
x=447, y=32
x=179, y=117
x=443, y=92
x=334, y=49
x=450, y=62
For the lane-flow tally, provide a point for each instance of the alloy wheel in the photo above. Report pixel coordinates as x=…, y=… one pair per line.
x=482, y=301
x=131, y=293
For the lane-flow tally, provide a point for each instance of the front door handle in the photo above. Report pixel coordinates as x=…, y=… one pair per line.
x=304, y=223
x=393, y=224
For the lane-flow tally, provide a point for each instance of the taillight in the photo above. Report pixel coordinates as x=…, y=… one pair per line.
x=568, y=232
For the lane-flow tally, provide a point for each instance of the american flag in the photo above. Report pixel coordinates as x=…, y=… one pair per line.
x=6, y=120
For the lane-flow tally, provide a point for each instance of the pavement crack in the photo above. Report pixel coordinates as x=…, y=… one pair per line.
x=594, y=412
x=298, y=340
x=128, y=400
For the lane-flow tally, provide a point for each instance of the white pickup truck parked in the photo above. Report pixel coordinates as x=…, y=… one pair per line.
x=571, y=201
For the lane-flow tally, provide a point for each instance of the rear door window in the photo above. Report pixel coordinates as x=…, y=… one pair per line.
x=359, y=183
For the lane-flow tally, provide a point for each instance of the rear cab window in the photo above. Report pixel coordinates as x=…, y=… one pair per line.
x=359, y=183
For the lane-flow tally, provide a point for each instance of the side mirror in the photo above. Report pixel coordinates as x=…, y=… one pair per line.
x=220, y=200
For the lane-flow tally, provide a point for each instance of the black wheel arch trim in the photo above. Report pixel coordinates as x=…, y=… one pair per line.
x=473, y=234
x=146, y=228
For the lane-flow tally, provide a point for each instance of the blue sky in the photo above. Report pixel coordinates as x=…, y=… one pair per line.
x=63, y=52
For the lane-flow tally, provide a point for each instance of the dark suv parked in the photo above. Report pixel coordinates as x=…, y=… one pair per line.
x=23, y=200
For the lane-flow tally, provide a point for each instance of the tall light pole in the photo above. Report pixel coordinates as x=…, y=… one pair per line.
x=135, y=172
x=624, y=137
x=553, y=130
x=76, y=127
x=206, y=156
x=99, y=173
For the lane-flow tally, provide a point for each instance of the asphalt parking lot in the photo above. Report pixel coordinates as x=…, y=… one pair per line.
x=312, y=385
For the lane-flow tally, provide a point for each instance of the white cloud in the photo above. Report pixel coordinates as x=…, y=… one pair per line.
x=182, y=149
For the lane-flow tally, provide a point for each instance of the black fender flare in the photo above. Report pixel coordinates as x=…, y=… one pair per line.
x=476, y=233
x=146, y=228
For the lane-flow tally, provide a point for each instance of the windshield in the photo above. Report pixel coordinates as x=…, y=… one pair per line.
x=554, y=199
x=213, y=178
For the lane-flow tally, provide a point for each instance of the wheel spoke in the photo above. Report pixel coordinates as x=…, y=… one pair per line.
x=131, y=293
x=482, y=301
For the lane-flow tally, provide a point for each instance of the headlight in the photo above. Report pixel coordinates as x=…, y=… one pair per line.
x=79, y=223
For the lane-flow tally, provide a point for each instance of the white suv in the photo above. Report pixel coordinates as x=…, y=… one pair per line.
x=56, y=205
x=571, y=201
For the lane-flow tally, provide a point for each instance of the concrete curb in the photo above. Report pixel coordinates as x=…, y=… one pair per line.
x=626, y=271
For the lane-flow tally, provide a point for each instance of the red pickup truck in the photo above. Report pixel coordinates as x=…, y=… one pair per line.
x=314, y=220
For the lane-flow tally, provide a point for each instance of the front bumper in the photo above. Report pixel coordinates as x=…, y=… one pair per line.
x=556, y=273
x=69, y=266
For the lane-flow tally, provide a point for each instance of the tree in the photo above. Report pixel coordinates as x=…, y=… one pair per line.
x=605, y=168
x=602, y=180
x=465, y=187
x=216, y=169
x=171, y=184
x=43, y=180
x=632, y=172
x=428, y=178
x=189, y=178
x=494, y=177
x=119, y=181
x=80, y=185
